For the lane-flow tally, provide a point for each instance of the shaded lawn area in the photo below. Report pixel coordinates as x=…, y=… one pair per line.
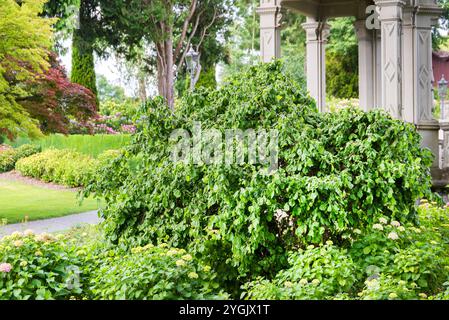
x=18, y=200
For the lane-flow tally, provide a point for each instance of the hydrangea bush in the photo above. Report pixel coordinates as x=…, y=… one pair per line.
x=385, y=261
x=51, y=267
x=315, y=273
x=39, y=267
x=153, y=273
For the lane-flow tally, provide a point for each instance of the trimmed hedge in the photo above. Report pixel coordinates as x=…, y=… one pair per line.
x=66, y=167
x=9, y=157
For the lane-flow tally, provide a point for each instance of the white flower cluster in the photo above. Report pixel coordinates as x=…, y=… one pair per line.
x=281, y=216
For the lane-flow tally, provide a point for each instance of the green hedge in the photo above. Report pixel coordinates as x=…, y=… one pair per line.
x=59, y=166
x=9, y=157
x=65, y=167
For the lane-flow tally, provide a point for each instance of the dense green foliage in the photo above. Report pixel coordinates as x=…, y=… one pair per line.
x=384, y=261
x=315, y=273
x=41, y=267
x=342, y=69
x=83, y=64
x=65, y=167
x=85, y=144
x=23, y=52
x=153, y=273
x=337, y=172
x=127, y=109
x=9, y=157
x=64, y=267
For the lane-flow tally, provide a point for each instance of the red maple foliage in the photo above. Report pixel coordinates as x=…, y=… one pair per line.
x=54, y=101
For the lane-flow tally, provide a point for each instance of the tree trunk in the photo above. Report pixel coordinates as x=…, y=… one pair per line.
x=83, y=65
x=170, y=72
x=142, y=87
x=165, y=72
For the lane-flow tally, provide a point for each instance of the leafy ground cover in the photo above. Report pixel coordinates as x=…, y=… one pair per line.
x=19, y=200
x=387, y=261
x=92, y=145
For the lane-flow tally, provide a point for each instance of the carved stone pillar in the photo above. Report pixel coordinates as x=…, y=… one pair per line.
x=445, y=147
x=417, y=76
x=270, y=29
x=378, y=68
x=418, y=73
x=367, y=66
x=317, y=33
x=391, y=28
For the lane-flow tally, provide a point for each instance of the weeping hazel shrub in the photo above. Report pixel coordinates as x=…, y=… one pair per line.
x=336, y=172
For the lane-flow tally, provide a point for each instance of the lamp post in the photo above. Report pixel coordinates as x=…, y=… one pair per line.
x=193, y=65
x=442, y=92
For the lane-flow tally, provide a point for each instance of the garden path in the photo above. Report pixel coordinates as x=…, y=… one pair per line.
x=53, y=224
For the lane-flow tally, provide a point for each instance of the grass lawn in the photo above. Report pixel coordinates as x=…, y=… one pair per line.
x=87, y=144
x=18, y=200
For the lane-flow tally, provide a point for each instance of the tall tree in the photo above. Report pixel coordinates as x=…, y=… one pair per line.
x=84, y=37
x=53, y=100
x=25, y=38
x=243, y=45
x=108, y=91
x=342, y=60
x=168, y=24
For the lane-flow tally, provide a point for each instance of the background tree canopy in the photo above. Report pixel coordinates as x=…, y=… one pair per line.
x=25, y=39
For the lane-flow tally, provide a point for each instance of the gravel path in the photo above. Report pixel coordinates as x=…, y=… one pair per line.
x=53, y=224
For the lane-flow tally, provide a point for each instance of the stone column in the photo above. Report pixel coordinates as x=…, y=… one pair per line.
x=391, y=28
x=418, y=74
x=317, y=33
x=270, y=29
x=377, y=68
x=367, y=67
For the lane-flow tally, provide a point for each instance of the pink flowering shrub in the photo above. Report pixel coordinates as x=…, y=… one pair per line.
x=5, y=268
x=103, y=125
x=128, y=128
